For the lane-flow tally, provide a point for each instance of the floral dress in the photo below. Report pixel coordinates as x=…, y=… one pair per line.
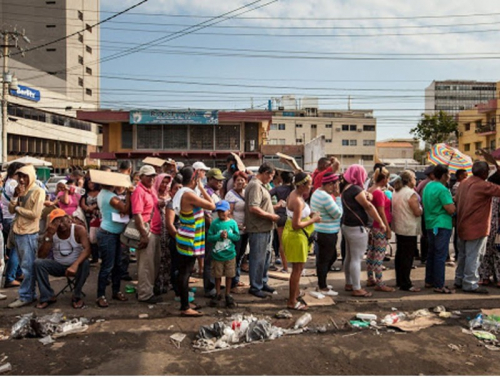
x=490, y=264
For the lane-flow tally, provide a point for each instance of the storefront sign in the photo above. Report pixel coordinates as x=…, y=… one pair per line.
x=26, y=93
x=173, y=117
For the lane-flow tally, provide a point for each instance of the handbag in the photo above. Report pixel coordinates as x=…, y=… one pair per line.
x=355, y=214
x=310, y=237
x=131, y=236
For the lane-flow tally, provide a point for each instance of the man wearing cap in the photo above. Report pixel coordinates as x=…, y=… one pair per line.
x=71, y=250
x=27, y=204
x=144, y=203
x=213, y=187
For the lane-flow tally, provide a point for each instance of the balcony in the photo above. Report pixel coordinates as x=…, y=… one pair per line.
x=489, y=128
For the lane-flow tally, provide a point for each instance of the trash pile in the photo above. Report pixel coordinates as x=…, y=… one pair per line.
x=484, y=327
x=47, y=327
x=240, y=330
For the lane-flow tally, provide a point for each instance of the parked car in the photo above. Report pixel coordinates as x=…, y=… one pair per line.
x=52, y=183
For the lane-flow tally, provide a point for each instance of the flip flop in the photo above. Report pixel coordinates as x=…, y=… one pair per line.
x=384, y=288
x=298, y=306
x=365, y=294
x=191, y=313
x=45, y=304
x=444, y=290
x=77, y=303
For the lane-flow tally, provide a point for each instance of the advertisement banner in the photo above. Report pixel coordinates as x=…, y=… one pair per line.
x=174, y=117
x=26, y=93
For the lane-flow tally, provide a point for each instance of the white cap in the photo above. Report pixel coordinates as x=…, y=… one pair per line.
x=200, y=166
x=147, y=170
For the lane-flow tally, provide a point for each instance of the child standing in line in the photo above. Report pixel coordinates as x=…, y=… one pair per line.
x=223, y=233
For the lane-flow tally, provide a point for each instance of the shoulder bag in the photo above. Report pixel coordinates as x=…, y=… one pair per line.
x=131, y=236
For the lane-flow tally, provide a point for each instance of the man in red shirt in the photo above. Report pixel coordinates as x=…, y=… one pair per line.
x=325, y=165
x=144, y=204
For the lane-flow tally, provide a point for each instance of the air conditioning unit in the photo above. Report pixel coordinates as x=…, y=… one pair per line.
x=337, y=129
x=360, y=130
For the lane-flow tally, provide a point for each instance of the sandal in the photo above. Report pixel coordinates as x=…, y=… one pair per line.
x=102, y=302
x=362, y=294
x=384, y=288
x=119, y=296
x=444, y=290
x=46, y=304
x=77, y=303
x=191, y=313
x=298, y=306
x=301, y=294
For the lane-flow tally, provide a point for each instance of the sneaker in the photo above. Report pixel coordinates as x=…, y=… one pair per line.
x=214, y=302
x=19, y=304
x=277, y=261
x=3, y=297
x=267, y=288
x=329, y=292
x=259, y=294
x=152, y=300
x=230, y=304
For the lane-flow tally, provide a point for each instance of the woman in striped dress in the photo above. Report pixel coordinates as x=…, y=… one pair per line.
x=190, y=237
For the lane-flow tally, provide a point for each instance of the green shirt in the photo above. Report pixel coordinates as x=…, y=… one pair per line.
x=224, y=249
x=434, y=198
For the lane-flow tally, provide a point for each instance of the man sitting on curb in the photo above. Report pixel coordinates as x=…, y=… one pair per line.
x=71, y=250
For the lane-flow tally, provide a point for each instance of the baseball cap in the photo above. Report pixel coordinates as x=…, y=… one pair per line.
x=222, y=206
x=198, y=165
x=147, y=170
x=215, y=173
x=56, y=213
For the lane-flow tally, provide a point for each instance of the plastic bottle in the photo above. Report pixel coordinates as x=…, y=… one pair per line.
x=392, y=318
x=303, y=321
x=476, y=322
x=366, y=317
x=490, y=325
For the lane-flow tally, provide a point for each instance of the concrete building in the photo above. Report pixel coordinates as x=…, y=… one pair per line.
x=350, y=135
x=453, y=96
x=396, y=153
x=54, y=80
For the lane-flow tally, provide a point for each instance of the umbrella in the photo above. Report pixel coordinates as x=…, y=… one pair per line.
x=28, y=160
x=449, y=156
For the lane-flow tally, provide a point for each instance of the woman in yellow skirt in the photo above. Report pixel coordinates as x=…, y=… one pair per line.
x=298, y=229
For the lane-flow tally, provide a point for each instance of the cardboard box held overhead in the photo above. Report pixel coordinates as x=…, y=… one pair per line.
x=110, y=179
x=289, y=160
x=155, y=161
x=241, y=165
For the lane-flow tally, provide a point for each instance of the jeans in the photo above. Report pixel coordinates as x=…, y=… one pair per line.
x=259, y=259
x=208, y=280
x=110, y=252
x=46, y=267
x=439, y=245
x=241, y=247
x=27, y=246
x=326, y=256
x=405, y=251
x=12, y=268
x=469, y=255
x=125, y=260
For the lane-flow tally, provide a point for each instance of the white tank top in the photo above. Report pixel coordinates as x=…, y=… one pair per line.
x=404, y=222
x=67, y=251
x=305, y=212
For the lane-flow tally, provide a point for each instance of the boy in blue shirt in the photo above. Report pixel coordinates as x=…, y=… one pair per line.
x=223, y=233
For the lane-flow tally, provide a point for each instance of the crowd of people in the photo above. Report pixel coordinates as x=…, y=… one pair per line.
x=196, y=217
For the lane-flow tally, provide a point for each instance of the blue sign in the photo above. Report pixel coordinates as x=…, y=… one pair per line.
x=26, y=93
x=288, y=114
x=174, y=117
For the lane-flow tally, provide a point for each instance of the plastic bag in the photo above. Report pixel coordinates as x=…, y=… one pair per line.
x=215, y=330
x=22, y=328
x=258, y=330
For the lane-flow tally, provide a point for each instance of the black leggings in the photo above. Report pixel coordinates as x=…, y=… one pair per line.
x=186, y=264
x=327, y=255
x=406, y=246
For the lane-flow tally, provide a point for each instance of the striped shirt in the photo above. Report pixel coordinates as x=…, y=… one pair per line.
x=191, y=233
x=330, y=211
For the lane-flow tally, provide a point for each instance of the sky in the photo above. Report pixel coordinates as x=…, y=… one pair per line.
x=381, y=54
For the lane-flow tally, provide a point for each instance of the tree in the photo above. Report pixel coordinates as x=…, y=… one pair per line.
x=436, y=128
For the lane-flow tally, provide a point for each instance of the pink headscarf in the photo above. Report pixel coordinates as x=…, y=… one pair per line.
x=356, y=175
x=159, y=179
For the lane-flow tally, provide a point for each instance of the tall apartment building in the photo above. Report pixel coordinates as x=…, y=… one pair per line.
x=55, y=80
x=350, y=135
x=453, y=96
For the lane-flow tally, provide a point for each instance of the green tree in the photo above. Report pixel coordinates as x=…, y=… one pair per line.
x=436, y=128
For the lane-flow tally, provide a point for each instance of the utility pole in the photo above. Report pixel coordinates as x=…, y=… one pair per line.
x=10, y=39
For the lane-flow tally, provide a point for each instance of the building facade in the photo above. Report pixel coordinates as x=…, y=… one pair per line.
x=453, y=96
x=349, y=135
x=54, y=80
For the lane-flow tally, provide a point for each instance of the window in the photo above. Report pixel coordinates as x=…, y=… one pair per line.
x=202, y=137
x=345, y=142
x=80, y=59
x=273, y=127
x=368, y=128
x=227, y=137
x=127, y=136
x=281, y=141
x=80, y=81
x=348, y=156
x=328, y=125
x=51, y=26
x=88, y=92
x=50, y=2
x=478, y=124
x=175, y=136
x=467, y=126
x=345, y=127
x=368, y=143
x=313, y=126
x=298, y=140
x=367, y=157
x=353, y=143
x=478, y=145
x=281, y=126
x=50, y=49
x=467, y=147
x=88, y=70
x=80, y=16
x=149, y=136
x=88, y=49
x=80, y=38
x=353, y=127
x=88, y=28
x=298, y=125
x=328, y=140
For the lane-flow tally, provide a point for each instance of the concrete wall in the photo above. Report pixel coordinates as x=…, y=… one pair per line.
x=313, y=151
x=394, y=152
